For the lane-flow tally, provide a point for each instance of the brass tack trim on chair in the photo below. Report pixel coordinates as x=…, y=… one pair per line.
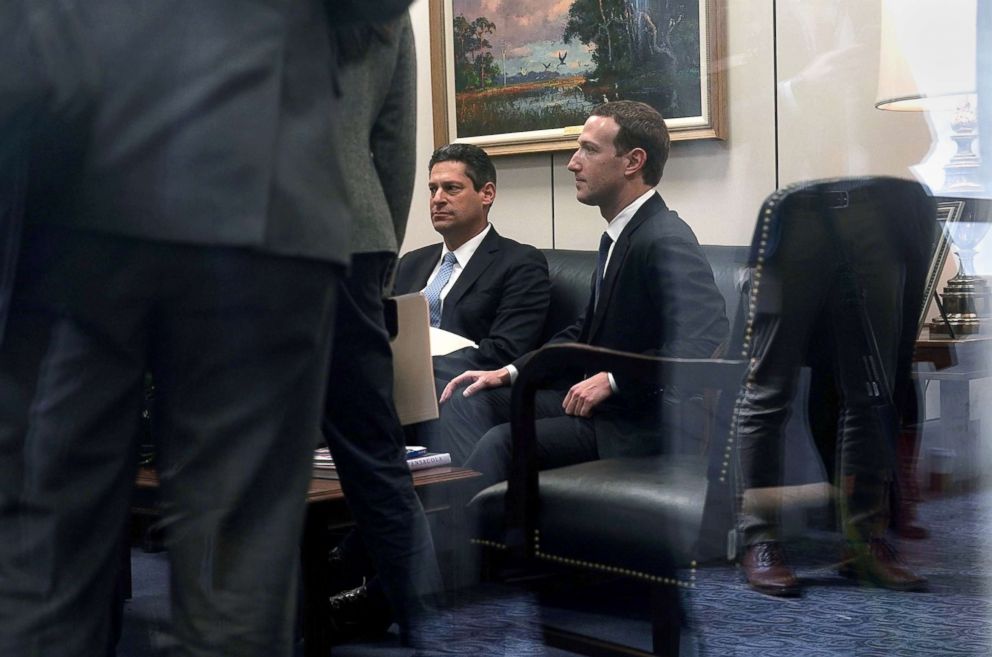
x=688, y=583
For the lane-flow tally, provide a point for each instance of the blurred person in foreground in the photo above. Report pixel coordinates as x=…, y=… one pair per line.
x=841, y=284
x=361, y=427
x=173, y=204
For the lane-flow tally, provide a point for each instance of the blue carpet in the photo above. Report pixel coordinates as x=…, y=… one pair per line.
x=837, y=618
x=834, y=618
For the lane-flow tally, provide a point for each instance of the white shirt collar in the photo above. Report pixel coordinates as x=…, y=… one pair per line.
x=465, y=252
x=619, y=222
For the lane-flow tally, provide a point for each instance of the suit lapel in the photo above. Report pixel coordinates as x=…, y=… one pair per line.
x=422, y=269
x=617, y=258
x=481, y=259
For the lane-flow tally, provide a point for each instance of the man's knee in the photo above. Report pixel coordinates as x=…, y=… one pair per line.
x=492, y=454
x=464, y=420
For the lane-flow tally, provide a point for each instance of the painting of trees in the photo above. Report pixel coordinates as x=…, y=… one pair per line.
x=523, y=75
x=475, y=67
x=642, y=50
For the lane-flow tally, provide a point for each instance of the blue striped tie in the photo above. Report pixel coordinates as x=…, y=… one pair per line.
x=433, y=291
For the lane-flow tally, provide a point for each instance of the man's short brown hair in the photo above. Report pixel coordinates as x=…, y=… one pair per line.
x=478, y=167
x=641, y=126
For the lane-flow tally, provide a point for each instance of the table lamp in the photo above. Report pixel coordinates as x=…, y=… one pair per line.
x=927, y=64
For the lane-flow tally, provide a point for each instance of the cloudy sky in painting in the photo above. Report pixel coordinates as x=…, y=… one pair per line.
x=530, y=31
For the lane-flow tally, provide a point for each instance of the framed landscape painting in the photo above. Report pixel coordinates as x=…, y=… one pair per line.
x=517, y=76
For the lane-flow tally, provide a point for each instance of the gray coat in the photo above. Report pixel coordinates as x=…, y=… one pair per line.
x=378, y=147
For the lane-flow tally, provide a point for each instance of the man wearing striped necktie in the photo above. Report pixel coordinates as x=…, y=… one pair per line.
x=478, y=284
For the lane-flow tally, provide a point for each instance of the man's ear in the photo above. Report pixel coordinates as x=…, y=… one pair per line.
x=488, y=193
x=636, y=159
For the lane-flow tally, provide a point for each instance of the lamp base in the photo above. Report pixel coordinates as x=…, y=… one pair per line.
x=967, y=301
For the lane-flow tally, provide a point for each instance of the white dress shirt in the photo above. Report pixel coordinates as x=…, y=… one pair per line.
x=462, y=255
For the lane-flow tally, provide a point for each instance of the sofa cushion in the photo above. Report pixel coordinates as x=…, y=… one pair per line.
x=571, y=282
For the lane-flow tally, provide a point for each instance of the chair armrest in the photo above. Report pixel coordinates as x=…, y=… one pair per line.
x=542, y=367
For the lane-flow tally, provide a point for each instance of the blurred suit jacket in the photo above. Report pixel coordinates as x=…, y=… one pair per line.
x=381, y=93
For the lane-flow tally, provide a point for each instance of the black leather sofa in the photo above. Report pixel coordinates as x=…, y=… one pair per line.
x=652, y=518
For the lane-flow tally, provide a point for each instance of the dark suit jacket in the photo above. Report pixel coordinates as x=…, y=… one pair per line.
x=499, y=301
x=206, y=124
x=658, y=298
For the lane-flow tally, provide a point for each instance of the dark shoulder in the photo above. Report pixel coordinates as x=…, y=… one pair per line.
x=665, y=224
x=431, y=250
x=411, y=267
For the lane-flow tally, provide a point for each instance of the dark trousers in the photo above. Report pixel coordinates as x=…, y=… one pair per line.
x=367, y=442
x=479, y=426
x=429, y=434
x=237, y=343
x=806, y=302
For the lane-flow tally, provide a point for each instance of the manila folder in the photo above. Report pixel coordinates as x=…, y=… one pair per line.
x=413, y=372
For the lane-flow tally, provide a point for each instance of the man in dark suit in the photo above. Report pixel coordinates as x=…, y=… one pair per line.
x=653, y=293
x=496, y=290
x=183, y=215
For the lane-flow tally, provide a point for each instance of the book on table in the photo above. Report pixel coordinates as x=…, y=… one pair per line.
x=418, y=458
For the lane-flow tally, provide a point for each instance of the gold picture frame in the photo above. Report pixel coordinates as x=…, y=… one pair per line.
x=541, y=99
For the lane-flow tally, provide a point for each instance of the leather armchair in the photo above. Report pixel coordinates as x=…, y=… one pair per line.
x=643, y=517
x=646, y=517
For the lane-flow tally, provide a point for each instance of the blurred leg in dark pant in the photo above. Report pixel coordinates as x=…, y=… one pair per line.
x=238, y=344
x=367, y=443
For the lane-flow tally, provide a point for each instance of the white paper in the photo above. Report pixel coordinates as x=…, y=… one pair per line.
x=444, y=342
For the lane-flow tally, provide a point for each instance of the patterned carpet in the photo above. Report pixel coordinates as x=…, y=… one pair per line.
x=834, y=618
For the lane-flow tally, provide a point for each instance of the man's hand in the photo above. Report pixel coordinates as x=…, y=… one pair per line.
x=477, y=380
x=587, y=395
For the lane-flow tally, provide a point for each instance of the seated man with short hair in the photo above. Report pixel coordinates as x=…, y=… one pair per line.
x=480, y=285
x=653, y=293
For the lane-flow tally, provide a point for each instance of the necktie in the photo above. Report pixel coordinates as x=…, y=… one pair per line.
x=433, y=291
x=604, y=251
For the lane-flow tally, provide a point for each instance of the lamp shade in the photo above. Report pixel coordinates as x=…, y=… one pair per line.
x=927, y=59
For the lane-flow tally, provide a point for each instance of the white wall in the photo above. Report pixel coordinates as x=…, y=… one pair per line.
x=826, y=124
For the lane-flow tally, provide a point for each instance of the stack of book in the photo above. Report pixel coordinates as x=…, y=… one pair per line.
x=418, y=458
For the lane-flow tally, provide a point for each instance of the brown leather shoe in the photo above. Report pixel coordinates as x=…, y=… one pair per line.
x=877, y=563
x=767, y=571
